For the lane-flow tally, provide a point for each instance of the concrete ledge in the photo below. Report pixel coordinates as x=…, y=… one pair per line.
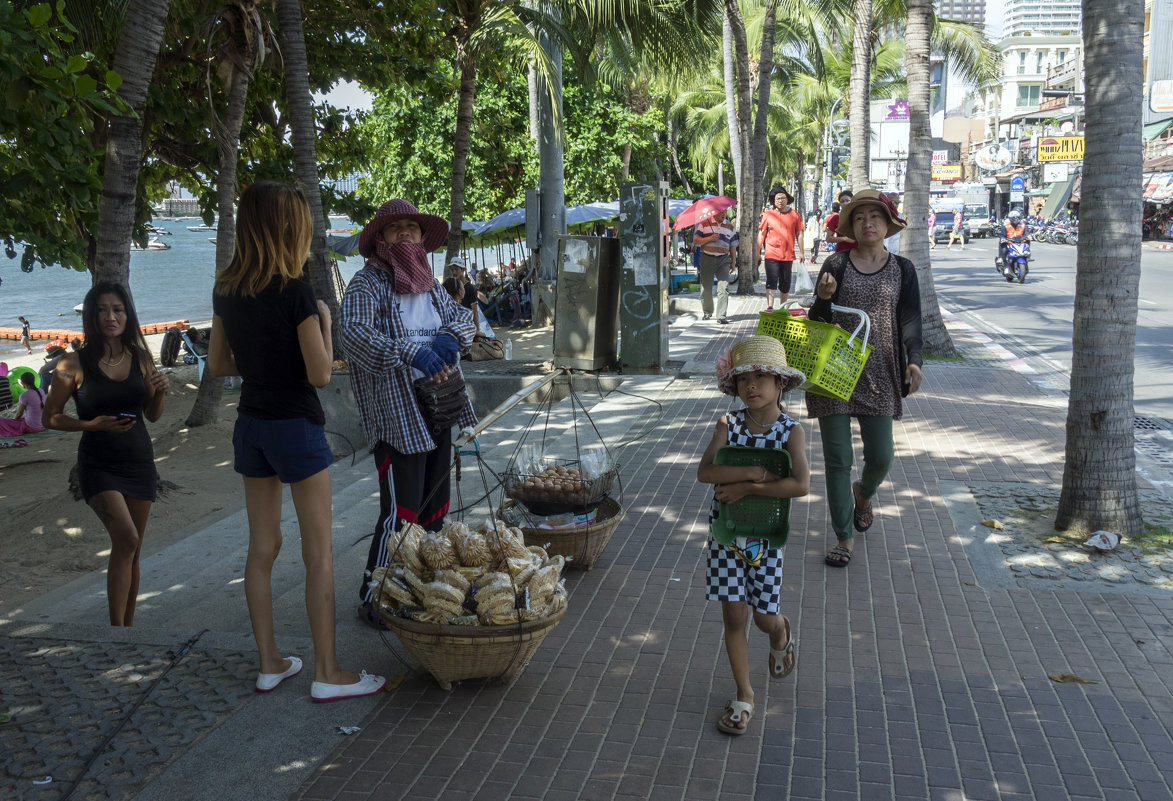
x=489, y=391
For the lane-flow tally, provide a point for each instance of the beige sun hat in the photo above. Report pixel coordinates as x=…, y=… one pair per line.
x=870, y=197
x=753, y=354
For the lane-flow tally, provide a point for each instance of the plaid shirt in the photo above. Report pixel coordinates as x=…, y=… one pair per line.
x=380, y=357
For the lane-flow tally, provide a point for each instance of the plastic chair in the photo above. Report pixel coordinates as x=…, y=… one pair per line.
x=200, y=358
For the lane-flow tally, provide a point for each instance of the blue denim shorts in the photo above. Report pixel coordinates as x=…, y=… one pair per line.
x=292, y=450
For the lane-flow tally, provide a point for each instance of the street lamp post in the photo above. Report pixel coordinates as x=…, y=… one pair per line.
x=826, y=190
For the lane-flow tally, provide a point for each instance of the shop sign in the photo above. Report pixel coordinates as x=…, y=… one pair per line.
x=946, y=173
x=940, y=157
x=1052, y=173
x=992, y=158
x=897, y=110
x=1161, y=97
x=1060, y=148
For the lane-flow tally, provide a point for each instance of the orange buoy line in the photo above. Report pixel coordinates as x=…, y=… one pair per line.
x=52, y=334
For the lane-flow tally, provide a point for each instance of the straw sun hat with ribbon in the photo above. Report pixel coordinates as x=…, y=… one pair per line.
x=870, y=197
x=756, y=354
x=434, y=229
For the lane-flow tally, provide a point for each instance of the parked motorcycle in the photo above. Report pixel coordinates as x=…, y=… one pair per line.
x=1016, y=264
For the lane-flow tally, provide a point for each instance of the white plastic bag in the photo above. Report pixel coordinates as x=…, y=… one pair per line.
x=802, y=280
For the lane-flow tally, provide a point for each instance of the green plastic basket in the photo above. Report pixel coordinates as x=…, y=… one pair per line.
x=831, y=358
x=755, y=515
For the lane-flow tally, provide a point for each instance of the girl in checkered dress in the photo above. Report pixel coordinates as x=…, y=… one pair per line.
x=744, y=572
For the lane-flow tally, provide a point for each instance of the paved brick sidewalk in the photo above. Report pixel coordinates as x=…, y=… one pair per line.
x=914, y=681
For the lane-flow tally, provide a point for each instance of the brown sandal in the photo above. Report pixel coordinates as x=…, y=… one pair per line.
x=838, y=556
x=863, y=517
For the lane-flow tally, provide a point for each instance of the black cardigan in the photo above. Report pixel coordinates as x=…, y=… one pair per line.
x=907, y=342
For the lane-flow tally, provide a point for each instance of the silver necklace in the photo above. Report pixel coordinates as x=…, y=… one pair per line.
x=757, y=422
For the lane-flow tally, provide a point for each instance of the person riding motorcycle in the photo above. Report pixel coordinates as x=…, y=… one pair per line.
x=1014, y=228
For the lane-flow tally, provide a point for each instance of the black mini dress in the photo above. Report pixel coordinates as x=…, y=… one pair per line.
x=109, y=460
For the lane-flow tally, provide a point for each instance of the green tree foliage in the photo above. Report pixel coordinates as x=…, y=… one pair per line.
x=599, y=125
x=409, y=136
x=410, y=131
x=48, y=156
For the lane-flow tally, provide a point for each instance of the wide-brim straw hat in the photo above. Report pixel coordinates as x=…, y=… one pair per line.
x=754, y=354
x=433, y=228
x=872, y=197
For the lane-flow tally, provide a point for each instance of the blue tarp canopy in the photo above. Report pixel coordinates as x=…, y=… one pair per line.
x=575, y=215
x=502, y=222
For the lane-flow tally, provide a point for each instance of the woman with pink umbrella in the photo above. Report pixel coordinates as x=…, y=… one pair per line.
x=717, y=241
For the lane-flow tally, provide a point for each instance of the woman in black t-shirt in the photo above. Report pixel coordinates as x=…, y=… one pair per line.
x=268, y=329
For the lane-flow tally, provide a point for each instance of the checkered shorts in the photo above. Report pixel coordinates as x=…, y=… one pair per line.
x=729, y=578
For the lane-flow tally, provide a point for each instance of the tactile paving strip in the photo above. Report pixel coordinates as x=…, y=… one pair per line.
x=65, y=698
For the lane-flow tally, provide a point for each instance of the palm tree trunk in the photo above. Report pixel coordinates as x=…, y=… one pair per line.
x=460, y=141
x=138, y=49
x=747, y=203
x=673, y=133
x=730, y=67
x=206, y=408
x=765, y=79
x=295, y=66
x=859, y=91
x=1099, y=474
x=914, y=244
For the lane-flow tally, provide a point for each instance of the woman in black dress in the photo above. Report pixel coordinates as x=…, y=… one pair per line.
x=115, y=385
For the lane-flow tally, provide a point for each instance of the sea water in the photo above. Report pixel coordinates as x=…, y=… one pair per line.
x=173, y=284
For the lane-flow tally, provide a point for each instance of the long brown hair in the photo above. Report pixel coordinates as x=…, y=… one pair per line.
x=132, y=335
x=273, y=235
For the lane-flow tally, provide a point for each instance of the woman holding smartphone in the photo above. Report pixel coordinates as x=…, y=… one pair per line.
x=114, y=383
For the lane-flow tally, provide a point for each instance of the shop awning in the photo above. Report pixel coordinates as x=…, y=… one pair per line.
x=1057, y=198
x=1159, y=187
x=1155, y=129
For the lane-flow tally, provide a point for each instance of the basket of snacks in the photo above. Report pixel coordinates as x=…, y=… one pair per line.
x=579, y=538
x=469, y=604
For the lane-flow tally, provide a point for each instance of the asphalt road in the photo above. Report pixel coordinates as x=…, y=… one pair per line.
x=1034, y=320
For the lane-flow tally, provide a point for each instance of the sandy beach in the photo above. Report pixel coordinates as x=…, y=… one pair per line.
x=49, y=539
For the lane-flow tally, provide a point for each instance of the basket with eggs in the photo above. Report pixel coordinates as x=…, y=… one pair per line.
x=562, y=486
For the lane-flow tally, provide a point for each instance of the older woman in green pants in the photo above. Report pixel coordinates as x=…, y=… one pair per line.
x=885, y=286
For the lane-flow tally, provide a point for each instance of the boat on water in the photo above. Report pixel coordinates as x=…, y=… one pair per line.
x=153, y=244
x=198, y=228
x=158, y=231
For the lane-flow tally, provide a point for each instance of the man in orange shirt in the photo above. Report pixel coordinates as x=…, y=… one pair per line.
x=779, y=232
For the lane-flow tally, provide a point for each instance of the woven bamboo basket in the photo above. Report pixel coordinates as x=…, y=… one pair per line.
x=581, y=545
x=455, y=653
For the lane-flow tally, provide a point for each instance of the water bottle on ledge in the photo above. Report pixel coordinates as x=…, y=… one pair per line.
x=508, y=349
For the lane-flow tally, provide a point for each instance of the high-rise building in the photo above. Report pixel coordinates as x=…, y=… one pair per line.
x=1042, y=18
x=973, y=11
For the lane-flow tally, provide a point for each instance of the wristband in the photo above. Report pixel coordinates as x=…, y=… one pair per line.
x=763, y=478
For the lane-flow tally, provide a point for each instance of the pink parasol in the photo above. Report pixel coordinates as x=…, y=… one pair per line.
x=702, y=210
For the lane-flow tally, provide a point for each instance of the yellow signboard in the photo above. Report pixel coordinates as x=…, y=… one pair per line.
x=946, y=172
x=1061, y=148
